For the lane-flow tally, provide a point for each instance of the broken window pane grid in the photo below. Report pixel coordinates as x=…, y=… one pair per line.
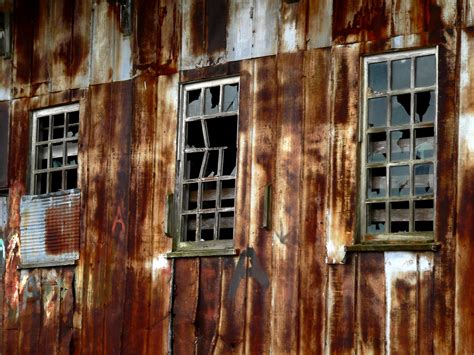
x=55, y=151
x=210, y=160
x=407, y=139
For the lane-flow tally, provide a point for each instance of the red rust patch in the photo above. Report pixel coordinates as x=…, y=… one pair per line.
x=60, y=236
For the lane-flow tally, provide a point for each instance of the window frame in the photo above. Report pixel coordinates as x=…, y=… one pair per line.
x=398, y=240
x=209, y=247
x=32, y=170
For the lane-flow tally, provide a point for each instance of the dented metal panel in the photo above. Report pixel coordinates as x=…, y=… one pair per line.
x=50, y=228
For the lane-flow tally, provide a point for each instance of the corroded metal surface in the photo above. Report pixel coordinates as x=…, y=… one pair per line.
x=50, y=229
x=288, y=290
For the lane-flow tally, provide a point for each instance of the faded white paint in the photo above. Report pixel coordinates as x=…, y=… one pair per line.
x=397, y=265
x=123, y=57
x=265, y=27
x=466, y=108
x=320, y=24
x=289, y=35
x=160, y=263
x=239, y=29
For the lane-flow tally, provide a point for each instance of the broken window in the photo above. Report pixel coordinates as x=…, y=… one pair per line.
x=54, y=149
x=398, y=145
x=207, y=165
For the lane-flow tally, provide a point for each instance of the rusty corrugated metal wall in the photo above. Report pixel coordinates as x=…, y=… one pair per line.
x=299, y=64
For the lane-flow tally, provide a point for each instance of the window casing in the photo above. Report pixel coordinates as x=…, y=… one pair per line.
x=207, y=166
x=399, y=143
x=54, y=149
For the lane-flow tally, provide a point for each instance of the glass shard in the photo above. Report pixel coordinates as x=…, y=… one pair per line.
x=400, y=145
x=376, y=218
x=231, y=98
x=378, y=77
x=377, y=149
x=377, y=182
x=425, y=107
x=399, y=180
x=377, y=112
x=212, y=100
x=424, y=143
x=193, y=107
x=424, y=179
x=401, y=109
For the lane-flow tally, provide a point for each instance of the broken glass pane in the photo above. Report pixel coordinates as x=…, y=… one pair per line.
x=399, y=180
x=378, y=77
x=376, y=218
x=425, y=107
x=226, y=225
x=43, y=128
x=58, y=120
x=209, y=194
x=424, y=182
x=424, y=143
x=193, y=103
x=425, y=71
x=193, y=163
x=71, y=153
x=401, y=109
x=401, y=74
x=208, y=221
x=56, y=181
x=230, y=162
x=377, y=182
x=73, y=117
x=57, y=151
x=190, y=196
x=231, y=98
x=189, y=221
x=378, y=112
x=424, y=216
x=400, y=145
x=42, y=157
x=212, y=163
x=58, y=133
x=399, y=216
x=194, y=134
x=72, y=131
x=377, y=151
x=212, y=100
x=222, y=131
x=41, y=183
x=71, y=178
x=227, y=193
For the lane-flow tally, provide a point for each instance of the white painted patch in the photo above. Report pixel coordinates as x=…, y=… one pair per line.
x=465, y=80
x=4, y=94
x=396, y=265
x=160, y=263
x=425, y=263
x=289, y=36
x=125, y=59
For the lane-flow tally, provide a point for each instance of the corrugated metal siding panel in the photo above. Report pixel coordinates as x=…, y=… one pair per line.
x=50, y=228
x=4, y=131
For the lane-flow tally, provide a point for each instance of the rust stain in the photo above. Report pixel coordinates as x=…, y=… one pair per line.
x=59, y=237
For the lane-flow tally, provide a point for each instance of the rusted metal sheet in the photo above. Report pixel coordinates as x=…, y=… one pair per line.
x=292, y=34
x=5, y=79
x=315, y=172
x=319, y=33
x=465, y=186
x=50, y=229
x=4, y=142
x=341, y=224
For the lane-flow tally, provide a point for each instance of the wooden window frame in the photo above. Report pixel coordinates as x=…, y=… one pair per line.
x=200, y=247
x=399, y=240
x=34, y=169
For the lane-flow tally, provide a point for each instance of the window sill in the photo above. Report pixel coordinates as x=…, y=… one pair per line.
x=200, y=253
x=374, y=247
